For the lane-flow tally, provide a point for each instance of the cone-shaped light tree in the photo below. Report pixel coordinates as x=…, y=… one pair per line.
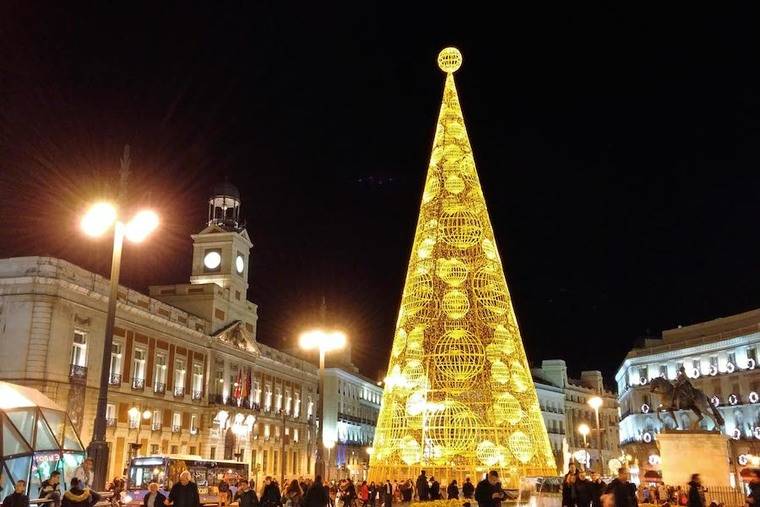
x=459, y=398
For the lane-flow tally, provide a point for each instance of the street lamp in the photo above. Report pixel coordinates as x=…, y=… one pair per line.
x=100, y=218
x=135, y=414
x=584, y=430
x=596, y=403
x=325, y=341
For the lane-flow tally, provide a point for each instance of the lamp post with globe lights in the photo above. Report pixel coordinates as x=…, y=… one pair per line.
x=324, y=341
x=584, y=430
x=596, y=403
x=135, y=414
x=101, y=218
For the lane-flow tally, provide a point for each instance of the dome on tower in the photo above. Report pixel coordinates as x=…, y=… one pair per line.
x=224, y=206
x=225, y=189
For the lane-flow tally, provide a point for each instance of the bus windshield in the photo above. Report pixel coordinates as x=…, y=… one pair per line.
x=143, y=471
x=165, y=470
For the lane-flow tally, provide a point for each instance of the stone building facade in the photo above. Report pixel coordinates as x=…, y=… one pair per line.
x=564, y=405
x=186, y=355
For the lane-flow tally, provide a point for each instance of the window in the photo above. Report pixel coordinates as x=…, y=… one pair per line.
x=264, y=461
x=266, y=431
x=193, y=450
x=160, y=373
x=110, y=415
x=277, y=400
x=732, y=358
x=156, y=421
x=154, y=448
x=134, y=420
x=752, y=354
x=212, y=453
x=274, y=461
x=174, y=449
x=138, y=364
x=268, y=399
x=295, y=435
x=193, y=424
x=176, y=422
x=309, y=408
x=288, y=402
x=179, y=374
x=79, y=349
x=197, y=377
x=115, y=362
x=257, y=393
x=664, y=370
x=295, y=462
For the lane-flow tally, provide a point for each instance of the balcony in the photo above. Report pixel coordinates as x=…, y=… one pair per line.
x=179, y=392
x=138, y=384
x=176, y=428
x=159, y=388
x=193, y=431
x=197, y=395
x=78, y=373
x=111, y=422
x=156, y=426
x=114, y=379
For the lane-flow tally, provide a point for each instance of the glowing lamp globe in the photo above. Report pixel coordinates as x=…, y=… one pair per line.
x=98, y=219
x=141, y=225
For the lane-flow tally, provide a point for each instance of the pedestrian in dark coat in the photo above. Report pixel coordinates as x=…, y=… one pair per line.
x=316, y=495
x=452, y=492
x=623, y=491
x=245, y=496
x=696, y=492
x=184, y=493
x=583, y=492
x=753, y=499
x=423, y=491
x=154, y=498
x=488, y=492
x=372, y=494
x=388, y=494
x=569, y=496
x=435, y=489
x=270, y=496
x=468, y=489
x=78, y=496
x=18, y=498
x=597, y=488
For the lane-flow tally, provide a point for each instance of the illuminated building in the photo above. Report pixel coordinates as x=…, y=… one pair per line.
x=459, y=398
x=564, y=405
x=721, y=357
x=187, y=353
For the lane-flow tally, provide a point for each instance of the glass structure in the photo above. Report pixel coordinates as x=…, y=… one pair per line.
x=459, y=398
x=37, y=437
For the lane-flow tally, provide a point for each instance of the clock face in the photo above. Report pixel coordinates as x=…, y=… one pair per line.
x=212, y=260
x=239, y=264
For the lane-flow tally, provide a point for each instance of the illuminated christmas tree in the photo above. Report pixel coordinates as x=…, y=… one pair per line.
x=459, y=398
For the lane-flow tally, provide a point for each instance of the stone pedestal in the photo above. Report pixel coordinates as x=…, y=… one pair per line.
x=683, y=453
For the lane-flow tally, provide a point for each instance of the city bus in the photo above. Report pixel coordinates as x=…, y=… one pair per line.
x=164, y=469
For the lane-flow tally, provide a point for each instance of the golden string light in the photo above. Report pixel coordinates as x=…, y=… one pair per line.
x=459, y=397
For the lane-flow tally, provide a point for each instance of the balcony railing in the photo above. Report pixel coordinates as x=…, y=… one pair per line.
x=159, y=388
x=193, y=431
x=114, y=379
x=197, y=395
x=179, y=392
x=133, y=424
x=78, y=373
x=176, y=428
x=138, y=384
x=111, y=422
x=156, y=426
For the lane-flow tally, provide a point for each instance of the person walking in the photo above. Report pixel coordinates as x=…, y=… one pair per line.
x=388, y=494
x=245, y=495
x=372, y=494
x=696, y=492
x=293, y=495
x=363, y=493
x=488, y=493
x=623, y=492
x=18, y=498
x=184, y=493
x=435, y=489
x=154, y=498
x=423, y=491
x=468, y=489
x=316, y=495
x=452, y=491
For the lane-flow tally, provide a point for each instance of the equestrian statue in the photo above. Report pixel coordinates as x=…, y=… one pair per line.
x=681, y=395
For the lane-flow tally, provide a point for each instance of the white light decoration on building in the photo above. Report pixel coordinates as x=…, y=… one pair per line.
x=736, y=434
x=647, y=437
x=713, y=370
x=743, y=459
x=654, y=459
x=753, y=397
x=750, y=364
x=644, y=408
x=730, y=367
x=756, y=432
x=694, y=373
x=733, y=399
x=643, y=381
x=715, y=401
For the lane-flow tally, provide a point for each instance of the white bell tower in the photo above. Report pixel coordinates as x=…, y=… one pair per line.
x=221, y=250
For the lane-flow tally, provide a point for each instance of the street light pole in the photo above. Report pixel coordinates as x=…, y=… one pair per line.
x=319, y=462
x=596, y=402
x=282, y=460
x=98, y=448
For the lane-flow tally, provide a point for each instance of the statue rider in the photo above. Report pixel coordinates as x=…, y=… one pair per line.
x=682, y=387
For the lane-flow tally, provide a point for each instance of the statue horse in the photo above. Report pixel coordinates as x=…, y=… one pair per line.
x=695, y=400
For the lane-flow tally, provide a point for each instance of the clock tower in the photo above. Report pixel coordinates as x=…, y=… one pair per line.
x=222, y=248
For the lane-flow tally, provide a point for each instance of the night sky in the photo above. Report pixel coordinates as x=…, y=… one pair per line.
x=618, y=148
